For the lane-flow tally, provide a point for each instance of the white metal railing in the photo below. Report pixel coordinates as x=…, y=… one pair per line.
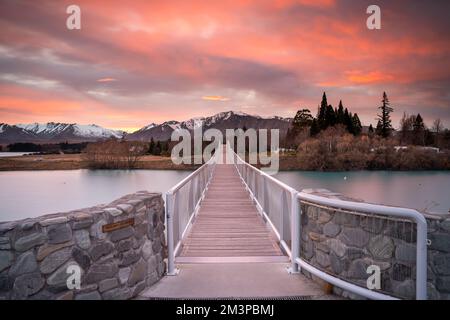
x=182, y=204
x=279, y=204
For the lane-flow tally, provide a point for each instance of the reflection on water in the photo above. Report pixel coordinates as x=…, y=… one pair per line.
x=26, y=194
x=421, y=190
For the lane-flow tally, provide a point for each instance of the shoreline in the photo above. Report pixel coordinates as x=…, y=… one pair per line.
x=149, y=162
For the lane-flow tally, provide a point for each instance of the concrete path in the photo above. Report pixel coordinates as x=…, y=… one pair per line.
x=234, y=280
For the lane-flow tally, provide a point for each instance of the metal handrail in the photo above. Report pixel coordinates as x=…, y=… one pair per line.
x=294, y=252
x=171, y=194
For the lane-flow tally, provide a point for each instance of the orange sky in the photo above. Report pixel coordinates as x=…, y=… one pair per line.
x=137, y=62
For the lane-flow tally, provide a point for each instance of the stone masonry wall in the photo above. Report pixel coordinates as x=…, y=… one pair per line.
x=35, y=253
x=344, y=244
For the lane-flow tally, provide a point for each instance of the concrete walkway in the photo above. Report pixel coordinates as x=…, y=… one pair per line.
x=234, y=280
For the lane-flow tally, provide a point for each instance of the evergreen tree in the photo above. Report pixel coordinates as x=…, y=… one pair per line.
x=314, y=129
x=322, y=115
x=340, y=113
x=158, y=149
x=379, y=129
x=357, y=127
x=371, y=131
x=330, y=117
x=384, y=117
x=151, y=148
x=419, y=130
x=348, y=122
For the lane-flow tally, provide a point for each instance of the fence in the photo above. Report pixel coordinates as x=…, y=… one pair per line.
x=182, y=203
x=281, y=206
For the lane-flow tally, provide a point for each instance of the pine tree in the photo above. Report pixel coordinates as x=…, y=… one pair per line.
x=314, y=129
x=379, y=129
x=158, y=148
x=419, y=130
x=151, y=148
x=384, y=117
x=370, y=131
x=321, y=117
x=330, y=117
x=357, y=127
x=340, y=113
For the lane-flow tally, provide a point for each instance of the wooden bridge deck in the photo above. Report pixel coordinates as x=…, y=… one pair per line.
x=228, y=226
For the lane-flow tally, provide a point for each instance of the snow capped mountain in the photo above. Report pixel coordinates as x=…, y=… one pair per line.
x=222, y=121
x=55, y=132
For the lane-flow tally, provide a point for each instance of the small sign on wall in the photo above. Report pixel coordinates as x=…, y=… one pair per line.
x=117, y=225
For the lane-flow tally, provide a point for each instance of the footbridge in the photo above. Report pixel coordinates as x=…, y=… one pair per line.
x=234, y=231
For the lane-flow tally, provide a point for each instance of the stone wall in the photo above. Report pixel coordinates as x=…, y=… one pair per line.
x=344, y=244
x=115, y=264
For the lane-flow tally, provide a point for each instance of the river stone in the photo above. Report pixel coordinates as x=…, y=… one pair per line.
x=52, y=221
x=47, y=249
x=108, y=284
x=358, y=269
x=68, y=295
x=337, y=247
x=124, y=245
x=338, y=265
x=121, y=234
x=126, y=208
x=59, y=233
x=96, y=230
x=25, y=263
x=354, y=237
x=54, y=260
x=401, y=272
x=445, y=225
x=124, y=274
x=138, y=272
x=405, y=252
x=324, y=216
x=117, y=294
x=406, y=289
x=5, y=243
x=373, y=225
x=82, y=239
x=81, y=257
x=28, y=284
x=440, y=241
x=6, y=258
x=101, y=249
x=138, y=288
x=381, y=247
x=156, y=245
x=331, y=229
x=147, y=250
x=57, y=280
x=98, y=272
x=443, y=284
x=113, y=211
x=442, y=264
x=93, y=295
x=6, y=283
x=129, y=257
x=141, y=230
x=29, y=241
x=323, y=259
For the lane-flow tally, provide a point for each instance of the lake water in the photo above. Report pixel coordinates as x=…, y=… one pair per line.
x=422, y=190
x=26, y=194
x=13, y=154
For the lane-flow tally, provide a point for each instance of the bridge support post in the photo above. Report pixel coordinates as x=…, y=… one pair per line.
x=171, y=270
x=295, y=233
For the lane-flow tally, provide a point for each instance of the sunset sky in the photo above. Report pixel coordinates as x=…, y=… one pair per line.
x=137, y=62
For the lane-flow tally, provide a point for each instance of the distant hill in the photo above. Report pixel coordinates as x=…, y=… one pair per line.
x=60, y=132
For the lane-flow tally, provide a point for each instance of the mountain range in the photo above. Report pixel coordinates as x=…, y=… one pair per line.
x=60, y=132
